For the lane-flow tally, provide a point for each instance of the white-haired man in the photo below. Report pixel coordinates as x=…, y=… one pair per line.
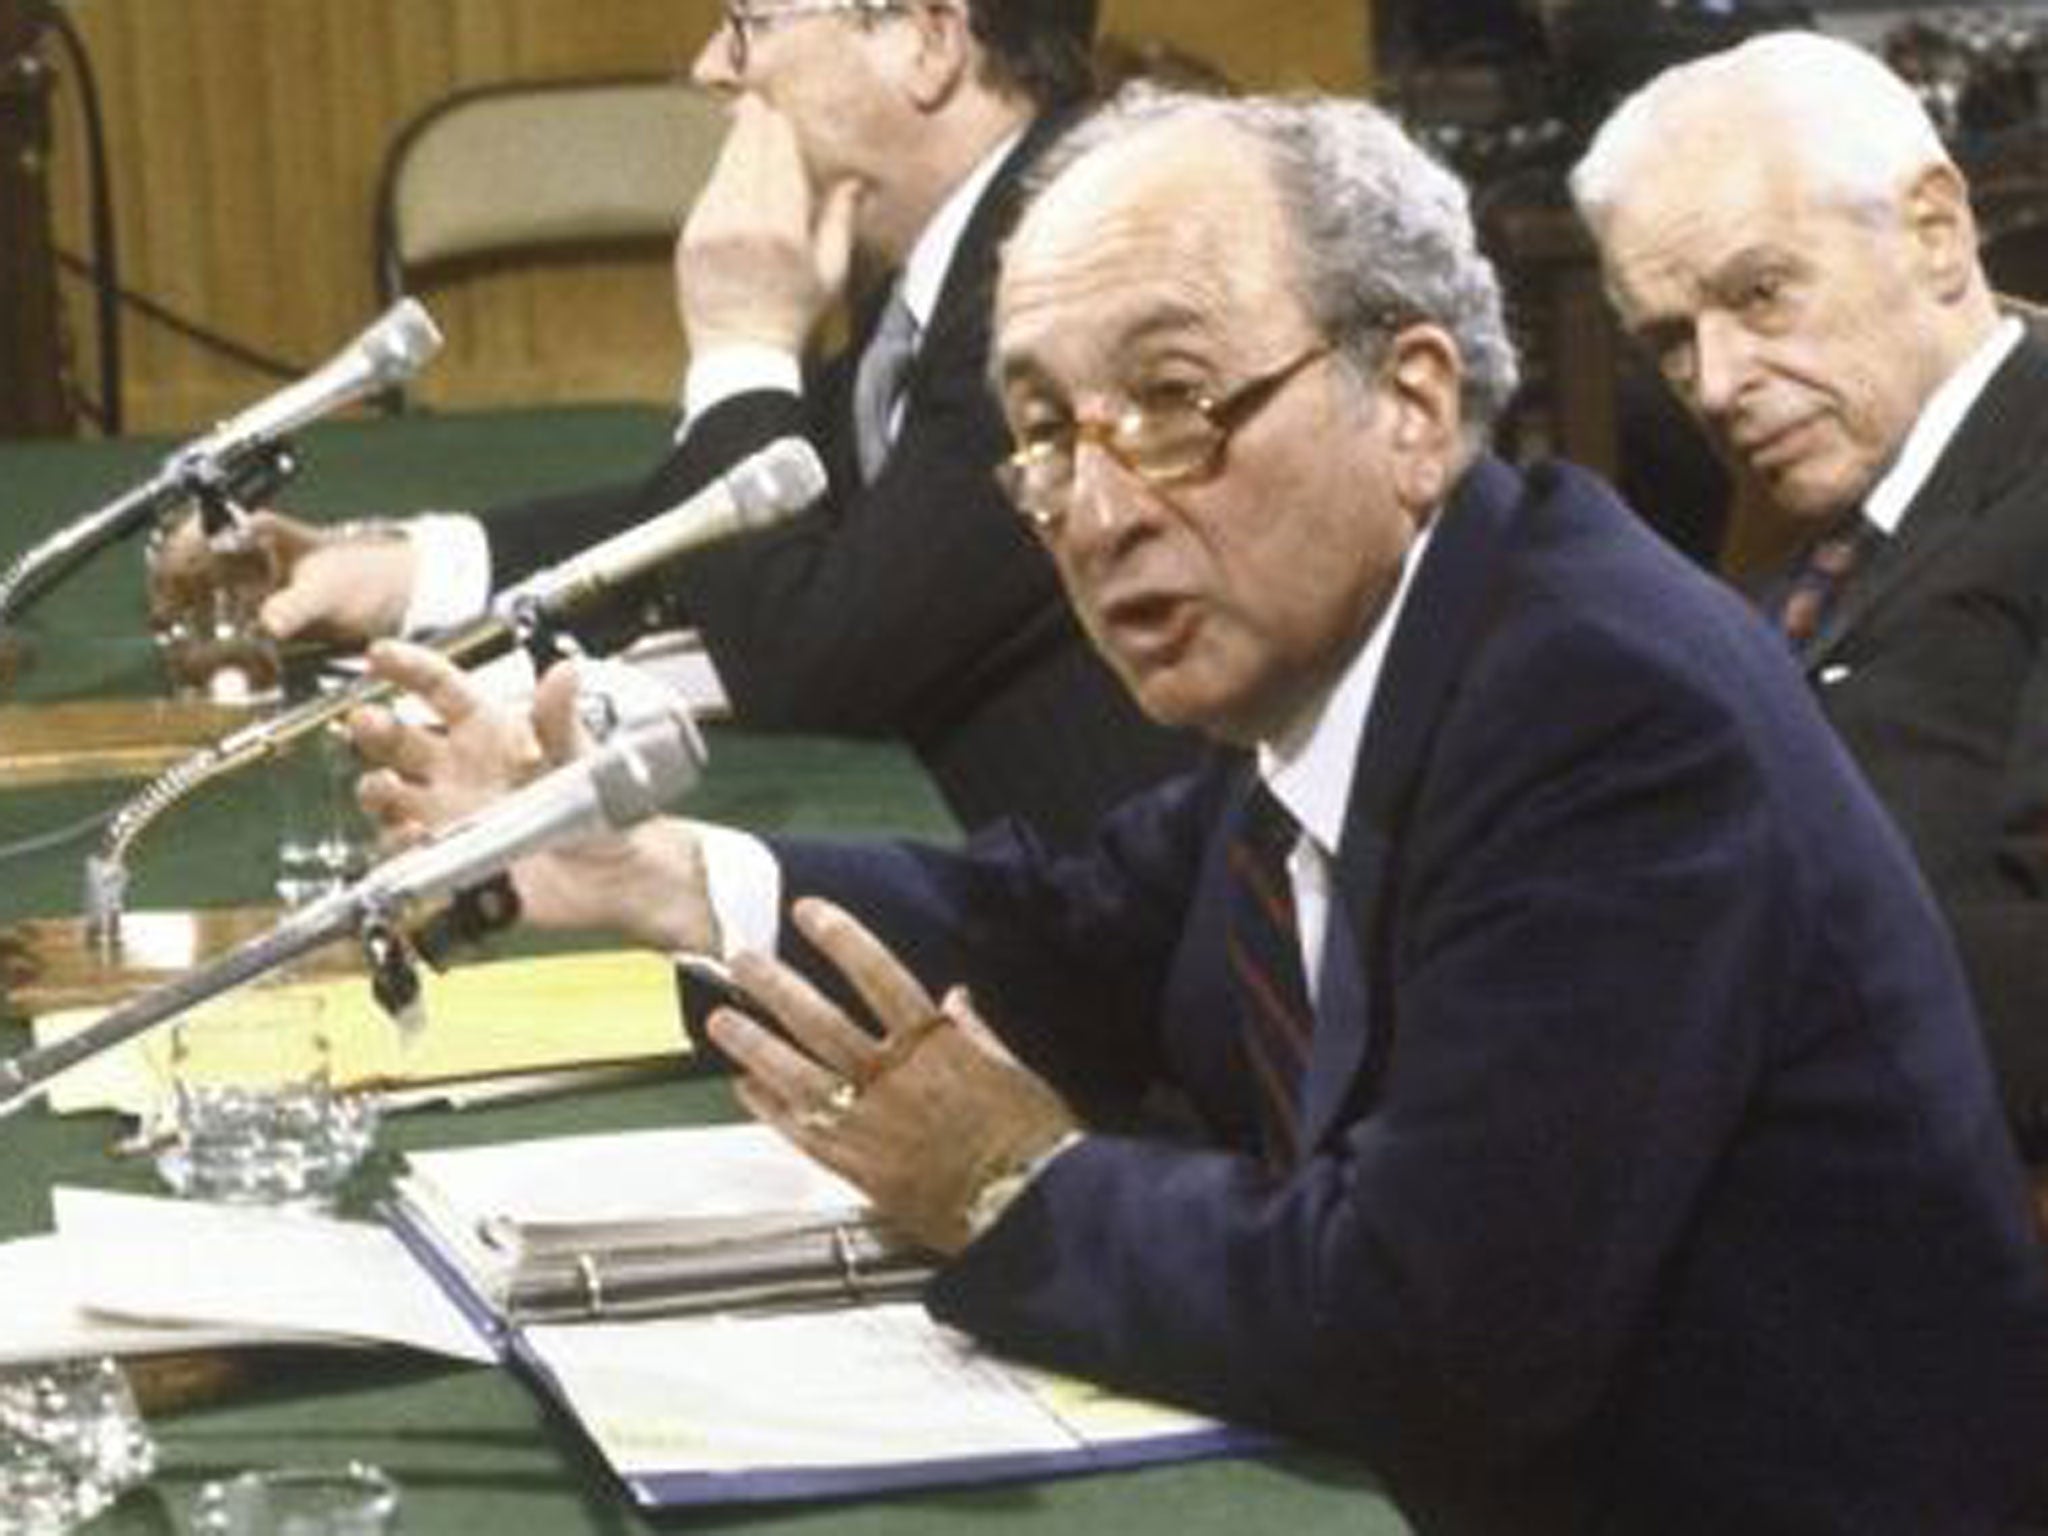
x=1783, y=231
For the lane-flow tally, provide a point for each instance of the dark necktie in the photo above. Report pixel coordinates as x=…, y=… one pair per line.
x=1823, y=574
x=878, y=382
x=1264, y=949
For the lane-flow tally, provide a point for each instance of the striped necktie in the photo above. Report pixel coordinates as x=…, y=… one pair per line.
x=1823, y=573
x=1263, y=946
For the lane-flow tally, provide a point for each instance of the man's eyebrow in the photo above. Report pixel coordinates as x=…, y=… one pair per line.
x=1166, y=319
x=1743, y=265
x=1710, y=285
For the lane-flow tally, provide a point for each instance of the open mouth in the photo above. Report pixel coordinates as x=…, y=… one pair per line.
x=1148, y=626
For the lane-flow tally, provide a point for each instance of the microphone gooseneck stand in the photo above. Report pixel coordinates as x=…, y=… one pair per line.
x=188, y=476
x=25, y=1076
x=774, y=484
x=243, y=452
x=107, y=867
x=646, y=765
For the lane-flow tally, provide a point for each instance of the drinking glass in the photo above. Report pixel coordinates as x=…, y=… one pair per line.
x=253, y=1115
x=72, y=1441
x=352, y=1500
x=207, y=631
x=323, y=842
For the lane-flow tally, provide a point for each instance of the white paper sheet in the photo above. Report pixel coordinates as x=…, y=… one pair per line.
x=264, y=1272
x=45, y=1317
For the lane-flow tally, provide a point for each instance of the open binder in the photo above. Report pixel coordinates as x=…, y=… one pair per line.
x=727, y=1324
x=527, y=1265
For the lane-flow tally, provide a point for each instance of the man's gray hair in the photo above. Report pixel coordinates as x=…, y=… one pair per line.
x=1830, y=108
x=1382, y=235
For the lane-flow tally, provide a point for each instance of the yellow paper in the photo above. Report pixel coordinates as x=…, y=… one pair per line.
x=507, y=1016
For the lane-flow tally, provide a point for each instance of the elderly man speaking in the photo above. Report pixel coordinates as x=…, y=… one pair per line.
x=1585, y=1125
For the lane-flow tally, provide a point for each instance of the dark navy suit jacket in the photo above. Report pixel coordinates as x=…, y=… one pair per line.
x=919, y=606
x=1656, y=1180
x=1934, y=668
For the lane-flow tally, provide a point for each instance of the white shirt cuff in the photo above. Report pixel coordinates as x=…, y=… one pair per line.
x=451, y=570
x=745, y=885
x=1001, y=1190
x=724, y=372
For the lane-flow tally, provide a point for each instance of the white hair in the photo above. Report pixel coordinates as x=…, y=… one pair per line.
x=1831, y=108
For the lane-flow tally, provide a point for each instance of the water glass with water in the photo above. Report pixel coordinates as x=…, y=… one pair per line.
x=72, y=1441
x=323, y=840
x=253, y=1113
x=352, y=1500
x=208, y=630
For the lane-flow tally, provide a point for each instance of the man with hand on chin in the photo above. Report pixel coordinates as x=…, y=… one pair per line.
x=875, y=152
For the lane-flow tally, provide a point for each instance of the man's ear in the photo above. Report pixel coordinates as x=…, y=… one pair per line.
x=942, y=58
x=1936, y=209
x=1421, y=380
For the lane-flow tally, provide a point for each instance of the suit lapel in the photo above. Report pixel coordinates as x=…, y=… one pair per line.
x=1448, y=609
x=1999, y=441
x=953, y=351
x=1347, y=1040
x=968, y=293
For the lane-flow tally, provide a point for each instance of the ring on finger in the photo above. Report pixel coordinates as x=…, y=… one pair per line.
x=901, y=1044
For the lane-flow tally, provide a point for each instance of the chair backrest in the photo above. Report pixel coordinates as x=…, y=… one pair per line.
x=522, y=169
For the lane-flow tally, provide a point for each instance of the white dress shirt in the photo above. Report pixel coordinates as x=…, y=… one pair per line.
x=1938, y=422
x=1309, y=768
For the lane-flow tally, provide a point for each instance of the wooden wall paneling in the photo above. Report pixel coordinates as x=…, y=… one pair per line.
x=1324, y=44
x=245, y=137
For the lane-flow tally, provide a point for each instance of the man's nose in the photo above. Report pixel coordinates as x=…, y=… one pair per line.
x=1108, y=500
x=1724, y=363
x=712, y=69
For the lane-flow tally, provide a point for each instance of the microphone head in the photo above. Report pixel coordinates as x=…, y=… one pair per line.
x=778, y=482
x=645, y=766
x=400, y=343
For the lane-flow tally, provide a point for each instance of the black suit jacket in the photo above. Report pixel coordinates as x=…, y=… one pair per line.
x=1655, y=1179
x=918, y=606
x=1933, y=666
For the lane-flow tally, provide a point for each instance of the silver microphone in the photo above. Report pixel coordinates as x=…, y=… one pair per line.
x=389, y=352
x=778, y=482
x=646, y=763
x=643, y=766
